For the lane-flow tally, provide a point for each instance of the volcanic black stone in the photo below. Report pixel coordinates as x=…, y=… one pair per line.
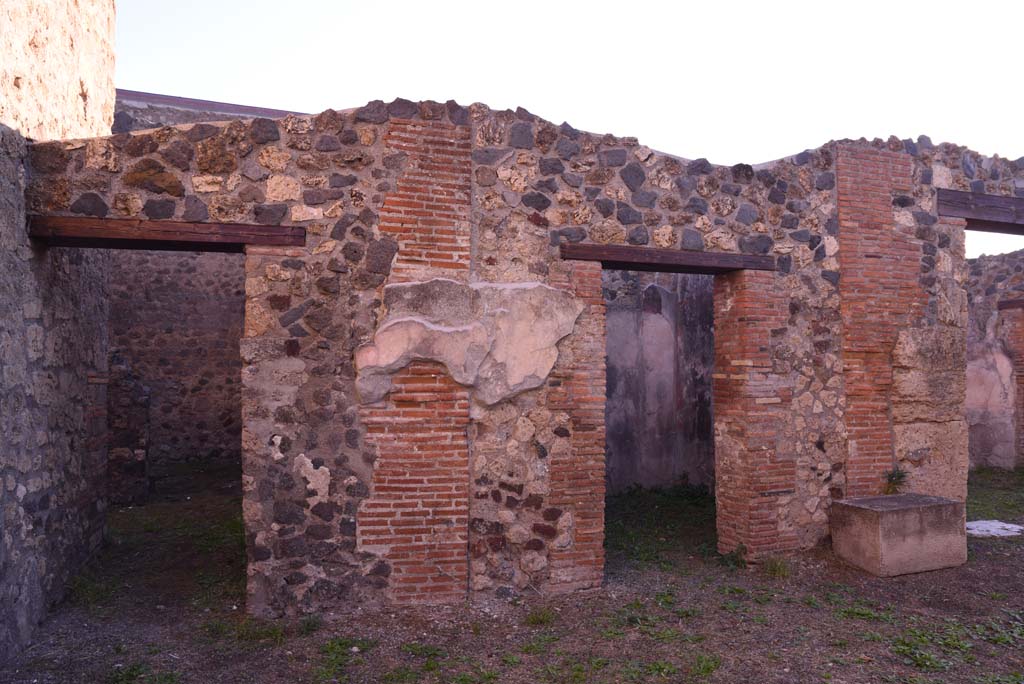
x=967, y=164
x=566, y=149
x=379, y=255
x=825, y=181
x=902, y=201
x=697, y=205
x=692, y=240
x=645, y=198
x=616, y=157
x=638, y=236
x=742, y=173
x=801, y=235
x=457, y=114
x=374, y=112
x=747, y=214
x=489, y=156
x=777, y=196
x=91, y=204
x=755, y=244
x=264, y=131
x=536, y=200
x=699, y=167
x=731, y=189
x=626, y=214
x=195, y=209
x=550, y=166
x=520, y=135
x=159, y=209
x=403, y=109
x=573, y=180
x=270, y=214
x=178, y=153
x=790, y=221
x=604, y=206
x=923, y=218
x=633, y=176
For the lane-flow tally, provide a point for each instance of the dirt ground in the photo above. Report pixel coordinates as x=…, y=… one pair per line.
x=163, y=605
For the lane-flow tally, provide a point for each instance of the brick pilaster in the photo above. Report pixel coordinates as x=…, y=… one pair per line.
x=752, y=469
x=879, y=294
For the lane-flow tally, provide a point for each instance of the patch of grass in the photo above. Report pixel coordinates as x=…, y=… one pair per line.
x=539, y=644
x=704, y=665
x=510, y=660
x=861, y=611
x=540, y=617
x=401, y=675
x=423, y=650
x=654, y=526
x=995, y=494
x=777, y=568
x=337, y=654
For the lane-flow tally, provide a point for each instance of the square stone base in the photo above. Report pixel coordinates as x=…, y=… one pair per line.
x=901, y=534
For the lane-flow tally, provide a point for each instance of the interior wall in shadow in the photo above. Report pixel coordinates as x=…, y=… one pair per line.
x=660, y=355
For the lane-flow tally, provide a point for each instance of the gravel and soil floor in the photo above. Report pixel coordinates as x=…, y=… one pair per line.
x=164, y=605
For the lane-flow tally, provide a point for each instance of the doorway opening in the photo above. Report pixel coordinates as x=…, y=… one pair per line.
x=659, y=453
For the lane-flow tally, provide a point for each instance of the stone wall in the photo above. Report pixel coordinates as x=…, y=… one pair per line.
x=175, y=326
x=995, y=355
x=430, y=292
x=55, y=82
x=660, y=355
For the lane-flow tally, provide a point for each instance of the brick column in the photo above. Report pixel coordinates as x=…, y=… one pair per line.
x=879, y=294
x=1013, y=332
x=577, y=477
x=417, y=515
x=751, y=402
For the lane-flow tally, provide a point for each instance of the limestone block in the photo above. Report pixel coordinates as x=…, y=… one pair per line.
x=899, y=535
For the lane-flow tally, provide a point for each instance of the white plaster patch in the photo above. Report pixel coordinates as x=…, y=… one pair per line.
x=993, y=528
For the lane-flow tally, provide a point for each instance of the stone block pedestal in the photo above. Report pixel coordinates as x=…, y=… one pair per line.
x=898, y=535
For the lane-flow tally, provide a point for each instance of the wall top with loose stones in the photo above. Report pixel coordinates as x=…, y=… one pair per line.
x=564, y=184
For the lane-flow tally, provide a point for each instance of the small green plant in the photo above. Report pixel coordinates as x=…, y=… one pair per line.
x=704, y=665
x=735, y=559
x=894, y=480
x=337, y=654
x=401, y=675
x=860, y=611
x=776, y=567
x=510, y=660
x=540, y=617
x=252, y=630
x=423, y=650
x=539, y=644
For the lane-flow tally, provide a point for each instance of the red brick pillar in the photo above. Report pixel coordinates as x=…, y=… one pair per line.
x=879, y=294
x=577, y=477
x=753, y=469
x=1012, y=320
x=417, y=515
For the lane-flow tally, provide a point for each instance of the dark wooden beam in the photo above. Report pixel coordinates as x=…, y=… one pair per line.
x=109, y=233
x=1007, y=304
x=989, y=213
x=625, y=258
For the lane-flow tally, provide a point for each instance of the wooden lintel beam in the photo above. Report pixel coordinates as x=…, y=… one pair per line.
x=1008, y=304
x=111, y=233
x=990, y=213
x=627, y=258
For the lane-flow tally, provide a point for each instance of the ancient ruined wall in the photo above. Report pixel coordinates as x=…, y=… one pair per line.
x=427, y=376
x=995, y=358
x=660, y=352
x=56, y=71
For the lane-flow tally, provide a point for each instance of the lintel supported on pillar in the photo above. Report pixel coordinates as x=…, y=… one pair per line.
x=625, y=258
x=110, y=233
x=989, y=213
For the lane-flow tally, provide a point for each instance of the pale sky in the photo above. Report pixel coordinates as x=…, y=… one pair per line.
x=729, y=81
